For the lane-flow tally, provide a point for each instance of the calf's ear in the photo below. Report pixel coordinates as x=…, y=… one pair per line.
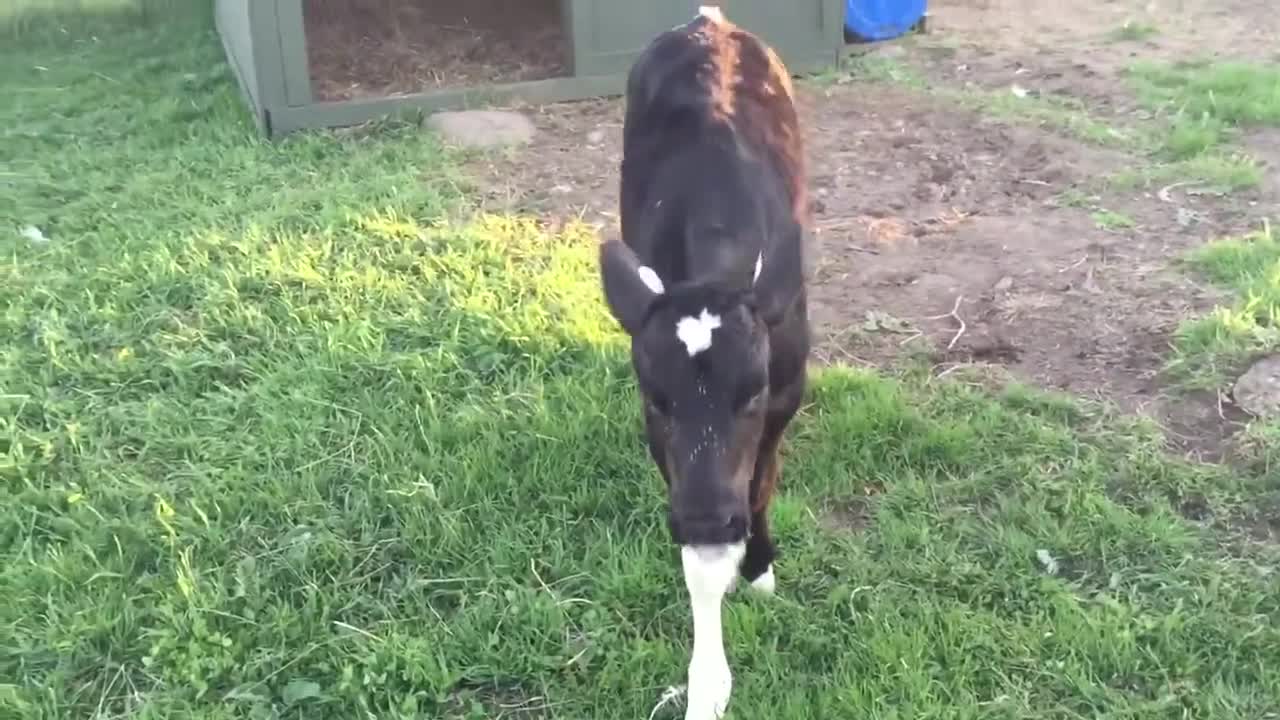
x=629, y=287
x=779, y=277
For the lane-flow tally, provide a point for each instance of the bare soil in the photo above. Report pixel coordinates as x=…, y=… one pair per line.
x=944, y=234
x=381, y=48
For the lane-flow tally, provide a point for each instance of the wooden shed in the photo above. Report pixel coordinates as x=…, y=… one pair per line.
x=328, y=63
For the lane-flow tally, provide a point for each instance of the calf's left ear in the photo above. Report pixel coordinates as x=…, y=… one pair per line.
x=779, y=277
x=629, y=287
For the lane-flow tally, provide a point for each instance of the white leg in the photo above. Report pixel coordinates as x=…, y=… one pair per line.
x=766, y=583
x=709, y=572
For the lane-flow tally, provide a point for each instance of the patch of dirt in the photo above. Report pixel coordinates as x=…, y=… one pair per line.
x=853, y=515
x=380, y=48
x=1264, y=144
x=945, y=234
x=570, y=170
x=498, y=702
x=918, y=204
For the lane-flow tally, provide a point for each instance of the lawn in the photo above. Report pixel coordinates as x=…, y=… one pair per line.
x=288, y=431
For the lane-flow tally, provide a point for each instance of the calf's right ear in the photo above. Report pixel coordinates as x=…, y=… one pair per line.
x=629, y=287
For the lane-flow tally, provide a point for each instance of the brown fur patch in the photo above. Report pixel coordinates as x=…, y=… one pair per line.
x=751, y=90
x=764, y=99
x=720, y=38
x=768, y=480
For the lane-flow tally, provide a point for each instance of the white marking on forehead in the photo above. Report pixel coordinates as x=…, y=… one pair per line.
x=651, y=279
x=695, y=332
x=759, y=267
x=711, y=12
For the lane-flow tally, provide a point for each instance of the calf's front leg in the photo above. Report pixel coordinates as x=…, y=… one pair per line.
x=709, y=572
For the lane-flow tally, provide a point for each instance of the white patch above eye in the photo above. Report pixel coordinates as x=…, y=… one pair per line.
x=651, y=279
x=695, y=332
x=711, y=12
x=759, y=267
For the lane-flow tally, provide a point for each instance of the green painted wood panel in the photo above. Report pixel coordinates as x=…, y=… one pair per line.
x=608, y=34
x=264, y=20
x=265, y=42
x=807, y=34
x=291, y=28
x=232, y=18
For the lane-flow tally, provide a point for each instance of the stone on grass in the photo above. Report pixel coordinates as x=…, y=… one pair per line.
x=482, y=128
x=1258, y=390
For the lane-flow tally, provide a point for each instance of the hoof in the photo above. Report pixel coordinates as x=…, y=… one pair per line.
x=708, y=694
x=766, y=583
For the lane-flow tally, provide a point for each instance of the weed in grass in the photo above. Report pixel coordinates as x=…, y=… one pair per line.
x=1075, y=198
x=1205, y=104
x=278, y=440
x=870, y=67
x=1191, y=137
x=1132, y=31
x=1234, y=93
x=1060, y=114
x=1212, y=171
x=1210, y=351
x=1110, y=220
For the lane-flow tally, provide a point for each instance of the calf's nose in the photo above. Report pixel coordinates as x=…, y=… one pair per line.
x=715, y=527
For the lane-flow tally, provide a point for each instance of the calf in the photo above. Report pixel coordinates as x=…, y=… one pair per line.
x=707, y=280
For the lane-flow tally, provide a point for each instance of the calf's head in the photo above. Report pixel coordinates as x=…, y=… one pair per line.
x=701, y=353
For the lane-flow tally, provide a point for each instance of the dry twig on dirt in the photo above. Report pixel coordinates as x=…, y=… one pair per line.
x=955, y=313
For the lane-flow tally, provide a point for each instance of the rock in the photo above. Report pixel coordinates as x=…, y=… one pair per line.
x=482, y=128
x=595, y=137
x=1258, y=390
x=1003, y=284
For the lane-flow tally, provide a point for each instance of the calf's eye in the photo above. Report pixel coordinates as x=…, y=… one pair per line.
x=659, y=403
x=750, y=398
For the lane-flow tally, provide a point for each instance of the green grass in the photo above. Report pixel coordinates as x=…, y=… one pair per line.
x=1239, y=94
x=1060, y=114
x=1212, y=350
x=1198, y=109
x=1205, y=104
x=280, y=438
x=1214, y=172
x=30, y=19
x=870, y=67
x=1063, y=115
x=1111, y=220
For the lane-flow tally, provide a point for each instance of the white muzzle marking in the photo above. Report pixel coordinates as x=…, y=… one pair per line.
x=709, y=573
